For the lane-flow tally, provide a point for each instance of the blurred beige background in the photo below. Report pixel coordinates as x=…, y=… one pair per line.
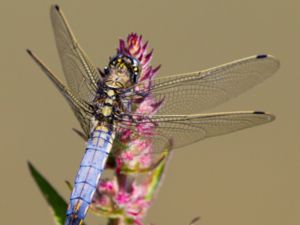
x=246, y=178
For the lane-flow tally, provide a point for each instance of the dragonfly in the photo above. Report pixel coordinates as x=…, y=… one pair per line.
x=101, y=101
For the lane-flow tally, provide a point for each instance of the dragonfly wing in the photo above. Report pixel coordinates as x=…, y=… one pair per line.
x=192, y=93
x=80, y=109
x=80, y=74
x=185, y=130
x=85, y=119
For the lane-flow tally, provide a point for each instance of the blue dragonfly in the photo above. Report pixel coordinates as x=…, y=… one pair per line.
x=101, y=101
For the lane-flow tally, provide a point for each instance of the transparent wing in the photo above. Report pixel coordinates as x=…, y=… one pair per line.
x=184, y=130
x=80, y=74
x=192, y=93
x=81, y=110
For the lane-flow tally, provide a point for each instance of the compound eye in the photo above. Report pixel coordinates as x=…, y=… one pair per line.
x=106, y=71
x=113, y=63
x=135, y=62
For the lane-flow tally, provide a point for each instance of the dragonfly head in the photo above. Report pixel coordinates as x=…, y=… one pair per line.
x=122, y=71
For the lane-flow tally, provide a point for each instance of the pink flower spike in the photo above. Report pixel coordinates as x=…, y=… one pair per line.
x=126, y=134
x=128, y=156
x=140, y=58
x=130, y=199
x=157, y=105
x=132, y=36
x=121, y=45
x=145, y=160
x=156, y=69
x=150, y=73
x=107, y=186
x=147, y=74
x=123, y=197
x=145, y=46
x=137, y=51
x=147, y=59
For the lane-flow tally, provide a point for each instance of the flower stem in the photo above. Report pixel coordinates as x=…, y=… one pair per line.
x=115, y=221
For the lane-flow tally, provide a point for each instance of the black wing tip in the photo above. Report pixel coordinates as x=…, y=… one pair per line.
x=262, y=56
x=29, y=51
x=259, y=112
x=56, y=7
x=269, y=116
x=31, y=54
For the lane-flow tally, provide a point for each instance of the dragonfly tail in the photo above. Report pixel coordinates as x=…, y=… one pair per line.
x=89, y=173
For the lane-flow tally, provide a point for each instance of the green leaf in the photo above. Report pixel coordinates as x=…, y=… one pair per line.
x=157, y=174
x=57, y=204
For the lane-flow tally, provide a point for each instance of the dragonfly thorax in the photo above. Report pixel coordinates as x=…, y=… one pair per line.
x=122, y=73
x=107, y=104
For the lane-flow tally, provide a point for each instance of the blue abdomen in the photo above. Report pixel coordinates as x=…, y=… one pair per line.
x=89, y=173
